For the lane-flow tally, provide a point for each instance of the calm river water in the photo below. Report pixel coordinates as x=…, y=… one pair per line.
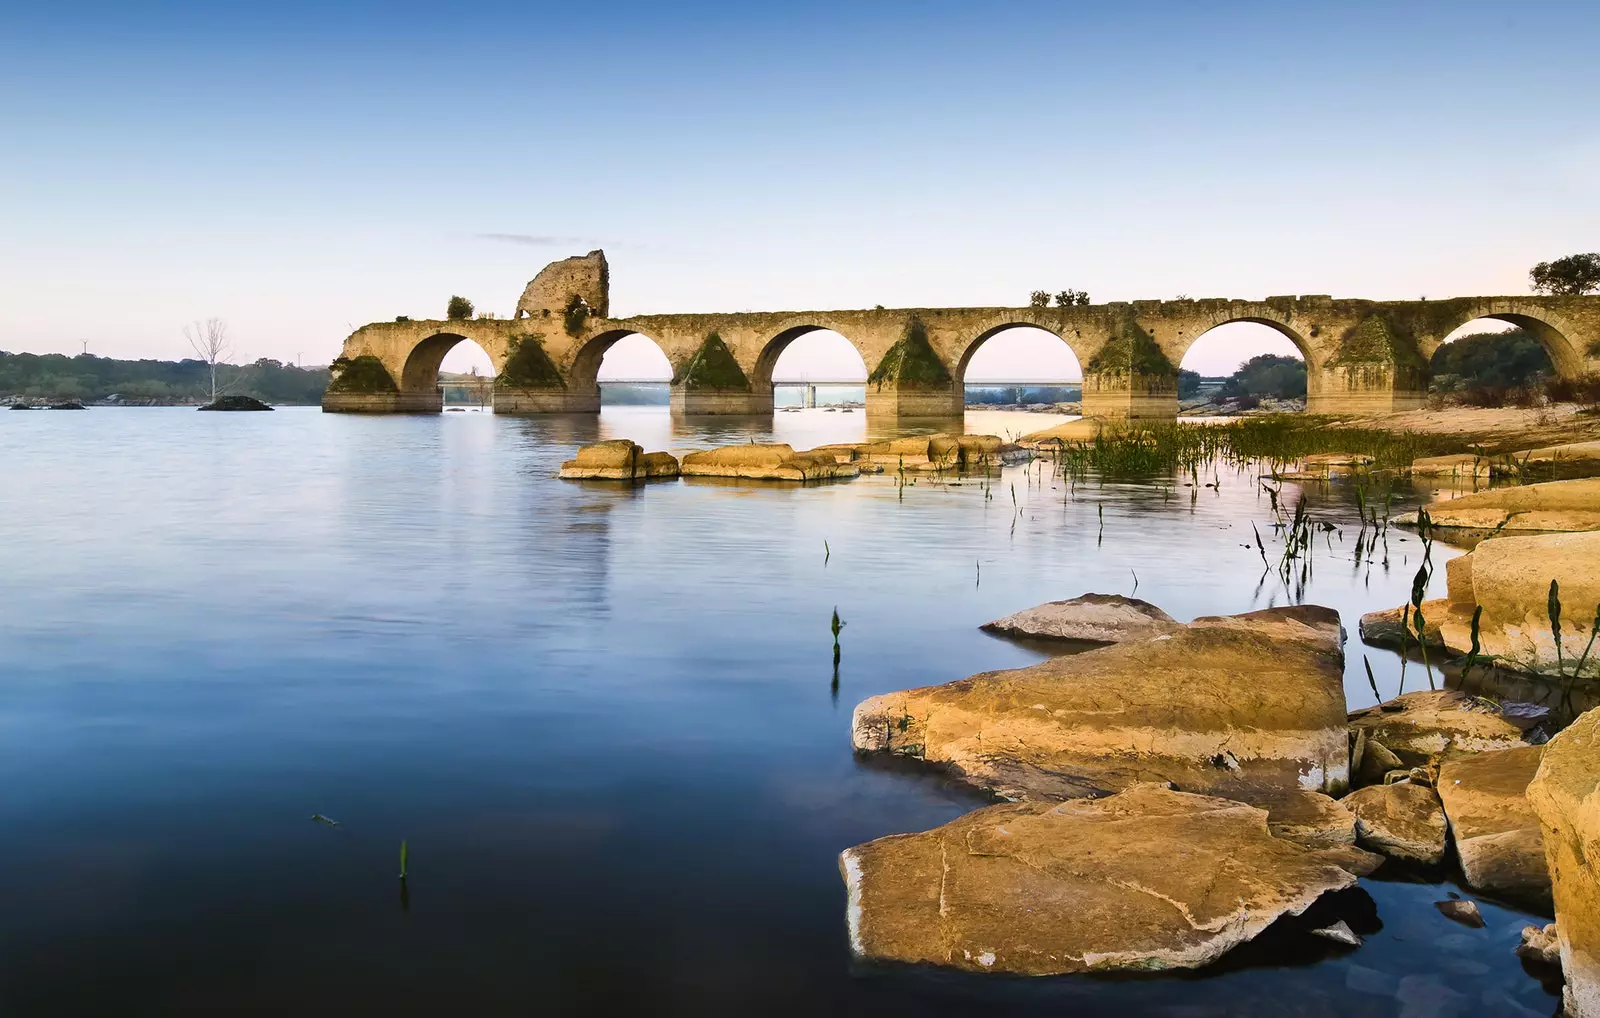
x=600, y=717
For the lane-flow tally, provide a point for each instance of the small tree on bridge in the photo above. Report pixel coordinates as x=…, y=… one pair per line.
x=1569, y=276
x=1071, y=298
x=459, y=309
x=1038, y=299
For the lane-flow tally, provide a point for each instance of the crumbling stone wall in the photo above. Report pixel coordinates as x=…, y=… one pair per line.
x=550, y=293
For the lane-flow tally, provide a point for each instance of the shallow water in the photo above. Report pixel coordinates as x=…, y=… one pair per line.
x=601, y=718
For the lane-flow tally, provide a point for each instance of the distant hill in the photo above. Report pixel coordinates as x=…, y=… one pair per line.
x=85, y=377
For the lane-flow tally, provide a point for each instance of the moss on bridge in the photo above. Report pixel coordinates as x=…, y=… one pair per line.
x=911, y=363
x=1131, y=351
x=363, y=374
x=713, y=369
x=529, y=367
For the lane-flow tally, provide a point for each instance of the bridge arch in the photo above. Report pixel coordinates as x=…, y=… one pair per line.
x=584, y=375
x=420, y=372
x=1072, y=355
x=1179, y=348
x=1550, y=329
x=767, y=360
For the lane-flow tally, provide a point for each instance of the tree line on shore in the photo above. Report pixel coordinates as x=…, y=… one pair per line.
x=89, y=378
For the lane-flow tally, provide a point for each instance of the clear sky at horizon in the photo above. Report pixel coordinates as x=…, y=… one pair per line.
x=299, y=169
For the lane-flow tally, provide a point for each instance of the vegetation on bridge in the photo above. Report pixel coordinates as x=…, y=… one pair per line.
x=911, y=363
x=1132, y=352
x=361, y=374
x=529, y=367
x=713, y=368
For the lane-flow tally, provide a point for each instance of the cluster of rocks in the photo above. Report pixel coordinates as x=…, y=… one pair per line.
x=623, y=460
x=1181, y=787
x=1509, y=579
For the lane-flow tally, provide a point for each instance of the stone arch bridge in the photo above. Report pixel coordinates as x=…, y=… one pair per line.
x=1361, y=356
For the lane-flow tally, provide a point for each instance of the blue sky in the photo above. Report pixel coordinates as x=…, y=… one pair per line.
x=299, y=169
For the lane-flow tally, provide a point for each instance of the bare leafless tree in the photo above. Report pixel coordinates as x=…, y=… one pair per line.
x=210, y=342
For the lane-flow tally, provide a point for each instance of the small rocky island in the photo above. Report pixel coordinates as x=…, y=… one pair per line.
x=235, y=404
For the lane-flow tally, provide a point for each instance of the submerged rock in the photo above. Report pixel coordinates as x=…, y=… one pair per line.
x=1413, y=728
x=1236, y=705
x=1093, y=618
x=619, y=460
x=1552, y=506
x=1466, y=913
x=766, y=462
x=1402, y=820
x=70, y=404
x=1565, y=795
x=235, y=403
x=1495, y=830
x=1340, y=932
x=1145, y=879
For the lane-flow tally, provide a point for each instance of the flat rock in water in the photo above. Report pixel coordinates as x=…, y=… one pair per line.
x=1402, y=820
x=619, y=460
x=1146, y=879
x=1094, y=618
x=1339, y=932
x=766, y=462
x=1417, y=726
x=1495, y=830
x=1237, y=705
x=236, y=404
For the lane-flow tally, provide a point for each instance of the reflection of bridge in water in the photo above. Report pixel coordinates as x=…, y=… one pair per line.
x=1361, y=355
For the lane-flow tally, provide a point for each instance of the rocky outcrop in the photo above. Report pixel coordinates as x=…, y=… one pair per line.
x=774, y=462
x=1308, y=818
x=1552, y=506
x=1402, y=820
x=1464, y=465
x=236, y=403
x=1565, y=795
x=1089, y=618
x=619, y=460
x=1236, y=705
x=1410, y=730
x=1494, y=828
x=1145, y=879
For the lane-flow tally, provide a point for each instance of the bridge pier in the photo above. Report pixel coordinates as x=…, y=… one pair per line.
x=1130, y=396
x=691, y=402
x=888, y=400
x=511, y=399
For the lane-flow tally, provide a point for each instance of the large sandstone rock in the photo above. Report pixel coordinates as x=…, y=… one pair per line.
x=1092, y=618
x=1403, y=820
x=1418, y=726
x=619, y=460
x=1146, y=879
x=1510, y=578
x=1308, y=818
x=1551, y=506
x=1565, y=795
x=1495, y=830
x=1233, y=705
x=766, y=462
